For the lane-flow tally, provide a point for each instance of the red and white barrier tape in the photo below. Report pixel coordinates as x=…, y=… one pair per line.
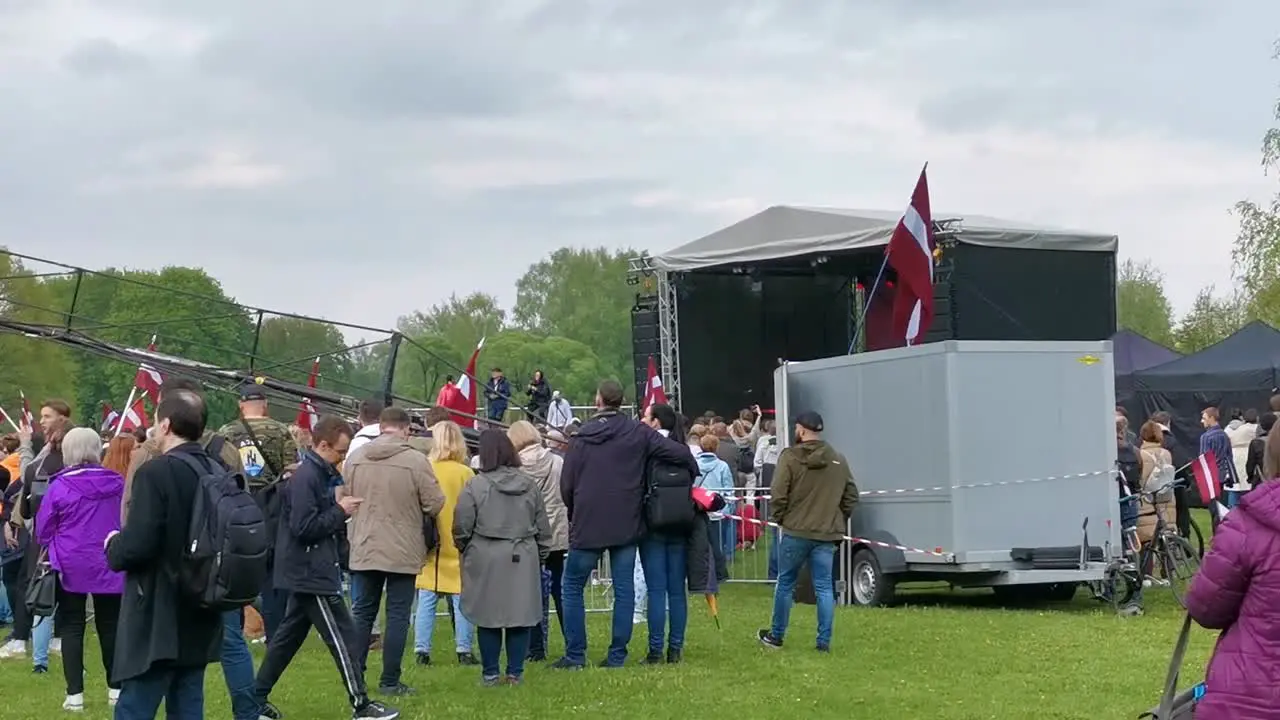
x=849, y=538
x=941, y=488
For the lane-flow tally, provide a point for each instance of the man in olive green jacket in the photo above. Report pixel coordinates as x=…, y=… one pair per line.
x=813, y=494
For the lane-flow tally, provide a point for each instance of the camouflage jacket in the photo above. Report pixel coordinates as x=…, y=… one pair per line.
x=274, y=442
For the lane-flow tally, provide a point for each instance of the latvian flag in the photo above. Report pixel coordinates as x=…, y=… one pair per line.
x=135, y=418
x=109, y=417
x=148, y=379
x=307, y=415
x=1205, y=468
x=653, y=392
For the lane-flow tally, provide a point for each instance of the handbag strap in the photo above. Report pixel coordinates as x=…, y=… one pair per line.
x=1175, y=665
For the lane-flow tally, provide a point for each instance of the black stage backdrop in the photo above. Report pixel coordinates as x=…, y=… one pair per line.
x=734, y=328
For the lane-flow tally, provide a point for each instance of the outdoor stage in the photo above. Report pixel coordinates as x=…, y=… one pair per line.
x=791, y=283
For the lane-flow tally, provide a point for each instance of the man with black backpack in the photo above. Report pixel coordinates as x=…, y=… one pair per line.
x=309, y=546
x=237, y=661
x=165, y=637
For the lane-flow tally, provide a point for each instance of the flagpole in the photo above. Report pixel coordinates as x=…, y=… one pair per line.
x=11, y=422
x=867, y=305
x=128, y=405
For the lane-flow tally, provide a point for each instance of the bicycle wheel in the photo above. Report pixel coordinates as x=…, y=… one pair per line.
x=1196, y=539
x=1178, y=564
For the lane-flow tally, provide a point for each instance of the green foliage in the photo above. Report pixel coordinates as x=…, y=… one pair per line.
x=1141, y=305
x=1210, y=319
x=183, y=308
x=35, y=367
x=1256, y=253
x=582, y=294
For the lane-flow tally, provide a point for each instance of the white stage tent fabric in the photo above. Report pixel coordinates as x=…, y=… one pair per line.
x=786, y=231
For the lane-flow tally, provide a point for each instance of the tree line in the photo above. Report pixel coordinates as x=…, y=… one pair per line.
x=571, y=319
x=1141, y=303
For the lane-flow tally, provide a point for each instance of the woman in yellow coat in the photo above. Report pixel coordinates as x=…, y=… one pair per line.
x=442, y=576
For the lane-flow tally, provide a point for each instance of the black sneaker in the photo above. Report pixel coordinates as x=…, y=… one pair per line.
x=397, y=690
x=768, y=640
x=269, y=712
x=40, y=669
x=653, y=658
x=823, y=649
x=424, y=658
x=466, y=658
x=609, y=665
x=374, y=710
x=675, y=657
x=536, y=656
x=565, y=663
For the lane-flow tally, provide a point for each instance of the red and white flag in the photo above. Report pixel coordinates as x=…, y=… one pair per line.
x=464, y=396
x=148, y=379
x=135, y=417
x=307, y=415
x=109, y=416
x=653, y=392
x=911, y=255
x=27, y=418
x=1209, y=480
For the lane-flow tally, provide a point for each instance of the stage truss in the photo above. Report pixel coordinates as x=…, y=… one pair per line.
x=72, y=333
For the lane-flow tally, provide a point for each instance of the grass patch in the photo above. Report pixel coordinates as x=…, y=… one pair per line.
x=939, y=654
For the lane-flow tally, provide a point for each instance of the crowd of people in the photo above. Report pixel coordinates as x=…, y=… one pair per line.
x=369, y=519
x=1237, y=589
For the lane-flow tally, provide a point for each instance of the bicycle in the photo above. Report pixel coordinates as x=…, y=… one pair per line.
x=1168, y=552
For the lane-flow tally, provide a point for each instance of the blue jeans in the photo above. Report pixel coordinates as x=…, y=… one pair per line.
x=793, y=553
x=664, y=559
x=180, y=689
x=6, y=613
x=577, y=572
x=775, y=538
x=490, y=640
x=424, y=624
x=729, y=540
x=41, y=636
x=237, y=667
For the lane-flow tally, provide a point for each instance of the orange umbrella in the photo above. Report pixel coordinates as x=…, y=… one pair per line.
x=713, y=604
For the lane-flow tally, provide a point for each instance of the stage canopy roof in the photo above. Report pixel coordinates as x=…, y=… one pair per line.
x=1133, y=352
x=785, y=231
x=1248, y=358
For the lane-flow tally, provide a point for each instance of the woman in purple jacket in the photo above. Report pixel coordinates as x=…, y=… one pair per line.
x=81, y=508
x=1238, y=591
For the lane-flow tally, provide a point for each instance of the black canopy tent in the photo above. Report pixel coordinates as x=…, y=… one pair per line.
x=1242, y=370
x=1133, y=352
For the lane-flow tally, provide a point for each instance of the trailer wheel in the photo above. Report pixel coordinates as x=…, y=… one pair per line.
x=870, y=585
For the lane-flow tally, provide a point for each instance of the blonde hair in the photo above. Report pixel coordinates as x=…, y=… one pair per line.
x=709, y=443
x=696, y=432
x=81, y=446
x=523, y=434
x=447, y=443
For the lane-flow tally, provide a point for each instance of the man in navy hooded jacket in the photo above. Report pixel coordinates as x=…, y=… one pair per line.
x=603, y=486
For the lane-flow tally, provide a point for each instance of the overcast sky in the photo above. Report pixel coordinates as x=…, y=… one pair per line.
x=357, y=160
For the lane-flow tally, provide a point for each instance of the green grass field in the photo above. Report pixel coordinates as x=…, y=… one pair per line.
x=938, y=654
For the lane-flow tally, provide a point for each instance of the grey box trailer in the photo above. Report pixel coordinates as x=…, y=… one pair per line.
x=979, y=463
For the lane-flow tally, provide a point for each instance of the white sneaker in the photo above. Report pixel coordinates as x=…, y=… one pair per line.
x=13, y=650
x=74, y=703
x=113, y=697
x=55, y=646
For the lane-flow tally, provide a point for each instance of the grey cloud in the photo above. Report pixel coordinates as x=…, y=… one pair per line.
x=102, y=57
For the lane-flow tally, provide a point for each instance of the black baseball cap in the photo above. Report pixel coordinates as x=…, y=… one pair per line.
x=252, y=391
x=810, y=420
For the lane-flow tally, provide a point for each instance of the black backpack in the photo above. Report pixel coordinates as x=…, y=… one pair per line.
x=746, y=460
x=668, y=505
x=224, y=562
x=1129, y=463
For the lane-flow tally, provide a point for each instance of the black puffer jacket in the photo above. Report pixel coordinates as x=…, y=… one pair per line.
x=705, y=563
